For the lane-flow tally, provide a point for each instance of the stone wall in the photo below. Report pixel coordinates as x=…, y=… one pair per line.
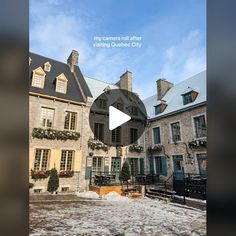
x=187, y=135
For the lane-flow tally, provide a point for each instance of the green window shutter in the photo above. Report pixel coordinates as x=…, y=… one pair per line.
x=128, y=160
x=88, y=170
x=164, y=165
x=106, y=169
x=141, y=162
x=151, y=165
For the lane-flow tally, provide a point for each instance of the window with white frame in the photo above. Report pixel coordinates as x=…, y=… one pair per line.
x=70, y=120
x=97, y=164
x=66, y=160
x=61, y=85
x=38, y=80
x=46, y=117
x=41, y=159
x=200, y=126
x=175, y=130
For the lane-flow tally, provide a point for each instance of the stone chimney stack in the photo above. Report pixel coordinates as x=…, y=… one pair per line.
x=126, y=81
x=73, y=60
x=162, y=87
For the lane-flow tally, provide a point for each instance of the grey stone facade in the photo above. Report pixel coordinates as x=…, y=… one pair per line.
x=83, y=154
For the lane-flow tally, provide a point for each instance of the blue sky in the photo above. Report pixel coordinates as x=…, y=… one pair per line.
x=173, y=37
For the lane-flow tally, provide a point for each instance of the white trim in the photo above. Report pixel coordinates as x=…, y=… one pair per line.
x=193, y=125
x=170, y=132
x=47, y=107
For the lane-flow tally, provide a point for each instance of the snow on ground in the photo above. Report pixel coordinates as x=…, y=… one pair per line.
x=88, y=194
x=115, y=215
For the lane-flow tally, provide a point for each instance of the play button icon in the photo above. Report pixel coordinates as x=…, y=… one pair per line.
x=117, y=118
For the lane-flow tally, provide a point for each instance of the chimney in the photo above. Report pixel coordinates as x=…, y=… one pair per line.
x=73, y=60
x=162, y=87
x=126, y=81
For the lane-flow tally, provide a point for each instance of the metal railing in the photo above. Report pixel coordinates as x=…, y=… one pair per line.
x=110, y=178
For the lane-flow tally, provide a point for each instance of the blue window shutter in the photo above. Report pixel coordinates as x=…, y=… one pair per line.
x=164, y=165
x=141, y=161
x=151, y=164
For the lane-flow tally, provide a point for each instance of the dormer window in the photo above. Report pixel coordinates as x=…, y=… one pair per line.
x=134, y=110
x=47, y=66
x=189, y=96
x=61, y=83
x=119, y=106
x=38, y=78
x=160, y=108
x=102, y=103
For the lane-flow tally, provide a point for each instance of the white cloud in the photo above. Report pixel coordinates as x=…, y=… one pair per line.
x=184, y=59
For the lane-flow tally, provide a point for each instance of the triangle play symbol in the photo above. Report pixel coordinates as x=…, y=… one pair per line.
x=116, y=118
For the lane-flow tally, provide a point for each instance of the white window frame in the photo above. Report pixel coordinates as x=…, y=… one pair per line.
x=76, y=120
x=180, y=128
x=40, y=164
x=193, y=125
x=73, y=158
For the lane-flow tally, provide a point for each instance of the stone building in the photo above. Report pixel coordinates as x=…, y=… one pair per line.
x=176, y=134
x=60, y=98
x=112, y=157
x=59, y=102
x=59, y=131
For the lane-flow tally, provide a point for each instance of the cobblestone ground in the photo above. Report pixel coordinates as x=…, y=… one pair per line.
x=120, y=217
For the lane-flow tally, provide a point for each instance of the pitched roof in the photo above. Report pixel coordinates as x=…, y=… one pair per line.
x=97, y=86
x=173, y=97
x=73, y=93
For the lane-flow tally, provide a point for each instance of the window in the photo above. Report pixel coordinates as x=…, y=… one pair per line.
x=134, y=110
x=47, y=66
x=188, y=98
x=116, y=135
x=156, y=135
x=66, y=159
x=200, y=126
x=158, y=109
x=134, y=166
x=178, y=163
x=119, y=106
x=41, y=159
x=70, y=120
x=38, y=80
x=97, y=164
x=133, y=135
x=202, y=164
x=61, y=83
x=175, y=129
x=46, y=117
x=102, y=104
x=61, y=86
x=99, y=131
